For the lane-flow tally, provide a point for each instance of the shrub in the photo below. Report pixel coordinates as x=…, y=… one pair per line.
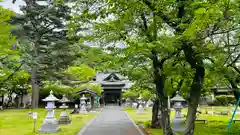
x=224, y=100
x=147, y=124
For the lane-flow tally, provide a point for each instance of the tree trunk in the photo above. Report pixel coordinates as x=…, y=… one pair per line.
x=234, y=87
x=16, y=101
x=21, y=100
x=155, y=121
x=165, y=119
x=34, y=76
x=35, y=88
x=195, y=93
x=9, y=100
x=138, y=105
x=2, y=100
x=159, y=81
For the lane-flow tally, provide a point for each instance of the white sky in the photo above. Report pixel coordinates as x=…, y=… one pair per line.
x=15, y=7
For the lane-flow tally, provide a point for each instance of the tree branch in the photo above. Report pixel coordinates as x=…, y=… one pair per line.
x=236, y=69
x=11, y=75
x=236, y=59
x=168, y=57
x=164, y=17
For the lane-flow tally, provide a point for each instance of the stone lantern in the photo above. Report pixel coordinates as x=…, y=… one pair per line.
x=64, y=118
x=83, y=104
x=50, y=125
x=140, y=107
x=128, y=102
x=178, y=121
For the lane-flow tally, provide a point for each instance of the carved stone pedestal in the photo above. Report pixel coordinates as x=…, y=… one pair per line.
x=50, y=125
x=64, y=118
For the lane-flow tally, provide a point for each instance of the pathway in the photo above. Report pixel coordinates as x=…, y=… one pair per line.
x=111, y=121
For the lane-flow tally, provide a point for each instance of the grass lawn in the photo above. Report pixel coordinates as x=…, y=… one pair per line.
x=17, y=122
x=216, y=124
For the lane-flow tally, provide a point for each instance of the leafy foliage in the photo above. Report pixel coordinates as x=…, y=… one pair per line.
x=7, y=39
x=130, y=94
x=91, y=86
x=224, y=100
x=82, y=72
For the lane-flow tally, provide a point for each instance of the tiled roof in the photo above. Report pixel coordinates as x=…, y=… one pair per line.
x=103, y=75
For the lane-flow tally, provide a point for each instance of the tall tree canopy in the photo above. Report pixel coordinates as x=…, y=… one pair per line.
x=42, y=34
x=173, y=36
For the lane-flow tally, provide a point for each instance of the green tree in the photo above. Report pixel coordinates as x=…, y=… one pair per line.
x=57, y=87
x=146, y=95
x=7, y=39
x=81, y=72
x=170, y=34
x=94, y=87
x=42, y=34
x=132, y=95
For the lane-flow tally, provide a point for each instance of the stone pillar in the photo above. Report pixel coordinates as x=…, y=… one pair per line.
x=83, y=104
x=64, y=118
x=50, y=125
x=178, y=120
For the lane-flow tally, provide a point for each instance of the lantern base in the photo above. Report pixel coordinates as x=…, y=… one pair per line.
x=83, y=110
x=50, y=125
x=64, y=118
x=178, y=124
x=49, y=128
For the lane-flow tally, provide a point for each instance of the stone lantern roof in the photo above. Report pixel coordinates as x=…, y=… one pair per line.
x=178, y=98
x=50, y=98
x=64, y=99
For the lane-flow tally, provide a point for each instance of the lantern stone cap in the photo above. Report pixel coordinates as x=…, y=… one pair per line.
x=83, y=97
x=50, y=98
x=177, y=98
x=64, y=99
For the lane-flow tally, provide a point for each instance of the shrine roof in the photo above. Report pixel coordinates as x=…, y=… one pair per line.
x=112, y=78
x=86, y=91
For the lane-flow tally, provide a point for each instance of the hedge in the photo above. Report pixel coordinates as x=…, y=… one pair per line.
x=224, y=100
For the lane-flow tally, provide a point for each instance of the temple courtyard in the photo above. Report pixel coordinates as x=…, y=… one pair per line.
x=111, y=120
x=18, y=122
x=215, y=124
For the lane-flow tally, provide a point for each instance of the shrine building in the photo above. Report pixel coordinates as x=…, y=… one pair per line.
x=113, y=85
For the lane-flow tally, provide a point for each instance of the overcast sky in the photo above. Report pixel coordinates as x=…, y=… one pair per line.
x=10, y=5
x=15, y=7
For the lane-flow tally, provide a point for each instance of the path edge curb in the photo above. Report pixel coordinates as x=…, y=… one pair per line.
x=137, y=127
x=89, y=122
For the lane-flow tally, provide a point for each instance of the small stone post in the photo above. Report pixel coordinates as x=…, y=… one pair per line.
x=50, y=125
x=178, y=121
x=140, y=107
x=64, y=118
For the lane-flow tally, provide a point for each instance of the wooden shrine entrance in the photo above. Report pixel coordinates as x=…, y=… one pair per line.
x=113, y=84
x=112, y=96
